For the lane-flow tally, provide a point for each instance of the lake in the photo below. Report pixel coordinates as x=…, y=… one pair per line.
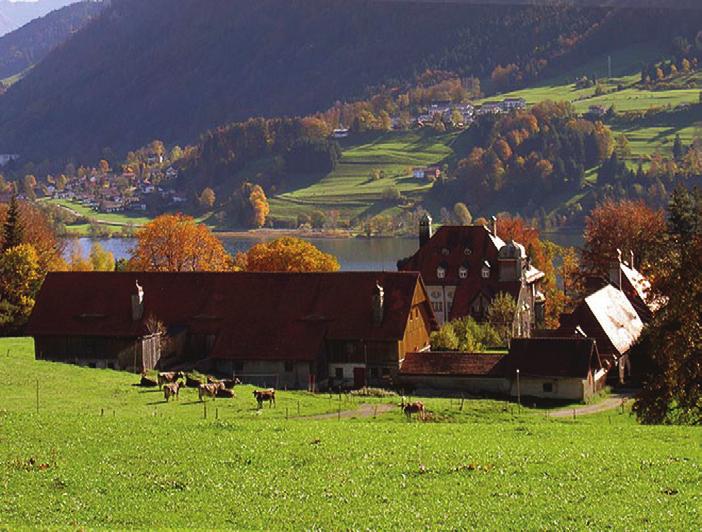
x=354, y=254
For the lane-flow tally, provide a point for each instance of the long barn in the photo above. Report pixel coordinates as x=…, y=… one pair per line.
x=299, y=330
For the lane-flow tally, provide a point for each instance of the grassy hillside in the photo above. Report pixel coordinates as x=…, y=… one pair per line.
x=351, y=188
x=102, y=453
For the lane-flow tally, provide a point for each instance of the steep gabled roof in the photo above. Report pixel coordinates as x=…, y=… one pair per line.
x=454, y=364
x=554, y=357
x=616, y=316
x=252, y=315
x=452, y=247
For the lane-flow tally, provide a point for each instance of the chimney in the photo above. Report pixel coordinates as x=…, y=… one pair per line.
x=425, y=229
x=494, y=226
x=615, y=271
x=378, y=304
x=631, y=259
x=138, y=303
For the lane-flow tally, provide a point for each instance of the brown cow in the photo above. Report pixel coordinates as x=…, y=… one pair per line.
x=265, y=395
x=172, y=376
x=209, y=390
x=172, y=390
x=414, y=408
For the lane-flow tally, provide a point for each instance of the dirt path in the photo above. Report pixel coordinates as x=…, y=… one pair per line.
x=612, y=402
x=365, y=410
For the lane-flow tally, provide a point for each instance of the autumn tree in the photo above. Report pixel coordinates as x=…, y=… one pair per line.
x=286, y=254
x=259, y=205
x=176, y=243
x=627, y=226
x=20, y=279
x=462, y=214
x=100, y=259
x=501, y=314
x=12, y=228
x=207, y=198
x=444, y=339
x=78, y=262
x=670, y=349
x=570, y=274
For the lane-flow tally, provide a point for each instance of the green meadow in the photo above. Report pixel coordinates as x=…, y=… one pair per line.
x=102, y=453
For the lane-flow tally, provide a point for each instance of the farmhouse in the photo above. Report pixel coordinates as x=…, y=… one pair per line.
x=283, y=329
x=549, y=368
x=465, y=267
x=608, y=317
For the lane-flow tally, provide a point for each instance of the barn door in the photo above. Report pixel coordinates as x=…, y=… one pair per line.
x=359, y=377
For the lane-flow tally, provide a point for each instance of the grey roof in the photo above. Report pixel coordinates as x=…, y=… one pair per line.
x=617, y=317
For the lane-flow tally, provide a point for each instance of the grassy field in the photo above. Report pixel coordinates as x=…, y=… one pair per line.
x=147, y=464
x=120, y=218
x=352, y=191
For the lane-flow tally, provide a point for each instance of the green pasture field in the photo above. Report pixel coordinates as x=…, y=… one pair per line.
x=104, y=454
x=110, y=218
x=350, y=188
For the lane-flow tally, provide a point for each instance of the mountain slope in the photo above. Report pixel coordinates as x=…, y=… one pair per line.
x=171, y=69
x=28, y=45
x=16, y=14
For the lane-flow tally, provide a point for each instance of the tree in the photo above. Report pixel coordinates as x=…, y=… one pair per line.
x=623, y=150
x=176, y=243
x=286, y=254
x=628, y=226
x=259, y=206
x=569, y=272
x=501, y=314
x=78, y=261
x=462, y=213
x=207, y=198
x=101, y=259
x=444, y=339
x=20, y=279
x=670, y=349
x=13, y=233
x=678, y=149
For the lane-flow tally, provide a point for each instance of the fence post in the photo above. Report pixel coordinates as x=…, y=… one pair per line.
x=204, y=405
x=37, y=396
x=286, y=412
x=339, y=412
x=375, y=411
x=298, y=407
x=102, y=412
x=462, y=401
x=573, y=413
x=216, y=412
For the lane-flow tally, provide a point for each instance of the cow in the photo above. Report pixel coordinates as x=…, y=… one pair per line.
x=265, y=395
x=172, y=390
x=414, y=408
x=230, y=383
x=166, y=378
x=209, y=390
x=147, y=381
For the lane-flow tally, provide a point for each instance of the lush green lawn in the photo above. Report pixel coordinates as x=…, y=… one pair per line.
x=119, y=218
x=352, y=191
x=152, y=465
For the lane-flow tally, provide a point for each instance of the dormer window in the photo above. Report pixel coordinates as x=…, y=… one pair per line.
x=445, y=252
x=485, y=272
x=440, y=273
x=467, y=251
x=463, y=272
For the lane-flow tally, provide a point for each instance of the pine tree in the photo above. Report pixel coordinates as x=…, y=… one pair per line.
x=678, y=150
x=12, y=230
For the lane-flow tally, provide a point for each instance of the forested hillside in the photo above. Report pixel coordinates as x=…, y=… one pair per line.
x=171, y=69
x=28, y=45
x=15, y=14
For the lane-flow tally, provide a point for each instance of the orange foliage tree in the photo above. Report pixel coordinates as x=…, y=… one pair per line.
x=37, y=231
x=176, y=243
x=286, y=254
x=542, y=255
x=259, y=205
x=630, y=226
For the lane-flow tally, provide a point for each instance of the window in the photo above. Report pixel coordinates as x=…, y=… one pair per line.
x=467, y=252
x=374, y=372
x=440, y=273
x=445, y=252
x=289, y=367
x=548, y=387
x=485, y=272
x=339, y=373
x=463, y=272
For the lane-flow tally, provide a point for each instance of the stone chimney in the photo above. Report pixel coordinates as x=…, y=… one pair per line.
x=494, y=226
x=631, y=259
x=138, y=303
x=425, y=229
x=378, y=305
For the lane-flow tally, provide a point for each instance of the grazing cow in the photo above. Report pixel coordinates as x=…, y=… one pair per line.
x=209, y=390
x=147, y=382
x=414, y=408
x=230, y=383
x=265, y=395
x=226, y=393
x=190, y=382
x=172, y=390
x=166, y=378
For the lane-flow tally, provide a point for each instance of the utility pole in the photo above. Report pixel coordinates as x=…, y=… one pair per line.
x=519, y=394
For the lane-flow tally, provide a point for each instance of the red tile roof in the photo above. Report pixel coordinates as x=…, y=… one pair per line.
x=554, y=357
x=254, y=315
x=453, y=364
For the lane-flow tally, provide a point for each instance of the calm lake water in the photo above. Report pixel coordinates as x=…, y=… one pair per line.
x=354, y=254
